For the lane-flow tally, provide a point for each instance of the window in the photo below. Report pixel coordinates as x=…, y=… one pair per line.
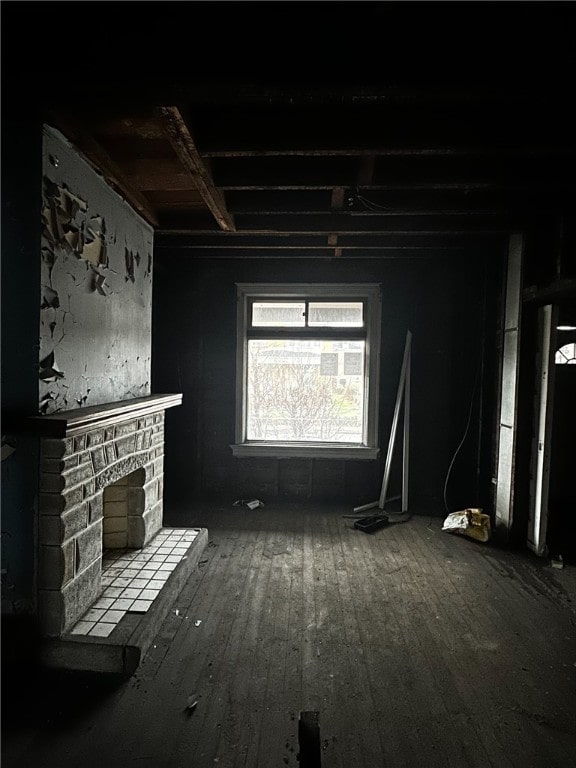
x=307, y=370
x=566, y=355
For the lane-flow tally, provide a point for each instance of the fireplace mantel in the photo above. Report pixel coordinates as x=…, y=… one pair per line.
x=81, y=420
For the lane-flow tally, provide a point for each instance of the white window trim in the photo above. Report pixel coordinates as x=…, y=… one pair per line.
x=371, y=293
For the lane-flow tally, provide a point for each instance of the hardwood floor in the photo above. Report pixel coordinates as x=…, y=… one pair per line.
x=416, y=648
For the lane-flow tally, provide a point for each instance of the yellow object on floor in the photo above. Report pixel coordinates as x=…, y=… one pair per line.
x=471, y=522
x=479, y=525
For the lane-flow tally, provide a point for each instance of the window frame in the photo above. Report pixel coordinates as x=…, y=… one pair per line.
x=370, y=295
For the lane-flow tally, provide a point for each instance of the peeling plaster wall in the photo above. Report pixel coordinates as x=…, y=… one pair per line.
x=96, y=287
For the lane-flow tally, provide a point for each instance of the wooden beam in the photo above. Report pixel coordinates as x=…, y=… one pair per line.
x=378, y=254
x=341, y=223
x=183, y=144
x=100, y=160
x=149, y=174
x=463, y=186
x=175, y=197
x=367, y=201
x=337, y=202
x=216, y=240
x=394, y=172
x=561, y=288
x=476, y=150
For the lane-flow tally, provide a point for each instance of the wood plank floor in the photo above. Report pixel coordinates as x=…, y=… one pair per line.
x=417, y=648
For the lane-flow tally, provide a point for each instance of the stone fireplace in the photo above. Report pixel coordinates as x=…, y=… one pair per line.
x=101, y=487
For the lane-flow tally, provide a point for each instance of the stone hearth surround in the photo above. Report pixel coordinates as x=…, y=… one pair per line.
x=84, y=451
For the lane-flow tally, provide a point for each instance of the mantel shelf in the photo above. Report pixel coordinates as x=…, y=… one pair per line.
x=80, y=420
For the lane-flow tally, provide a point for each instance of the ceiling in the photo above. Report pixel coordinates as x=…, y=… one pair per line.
x=314, y=129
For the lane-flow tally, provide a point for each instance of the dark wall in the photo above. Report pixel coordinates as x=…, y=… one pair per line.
x=562, y=500
x=194, y=323
x=21, y=200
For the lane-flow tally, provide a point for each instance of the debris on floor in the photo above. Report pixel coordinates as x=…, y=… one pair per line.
x=398, y=517
x=469, y=522
x=376, y=521
x=192, y=702
x=371, y=523
x=557, y=561
x=250, y=503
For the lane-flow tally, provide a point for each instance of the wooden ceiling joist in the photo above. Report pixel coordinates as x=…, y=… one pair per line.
x=99, y=158
x=183, y=144
x=330, y=253
x=311, y=241
x=340, y=223
x=337, y=198
x=324, y=171
x=476, y=150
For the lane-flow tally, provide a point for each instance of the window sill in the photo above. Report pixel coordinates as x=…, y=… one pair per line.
x=303, y=450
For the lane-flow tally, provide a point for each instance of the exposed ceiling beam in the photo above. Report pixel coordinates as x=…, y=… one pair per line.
x=183, y=144
x=219, y=240
x=518, y=150
x=561, y=288
x=466, y=254
x=398, y=202
x=353, y=224
x=278, y=172
x=337, y=198
x=99, y=159
x=463, y=186
x=341, y=223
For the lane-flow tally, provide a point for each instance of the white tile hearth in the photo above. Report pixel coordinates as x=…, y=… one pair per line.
x=133, y=578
